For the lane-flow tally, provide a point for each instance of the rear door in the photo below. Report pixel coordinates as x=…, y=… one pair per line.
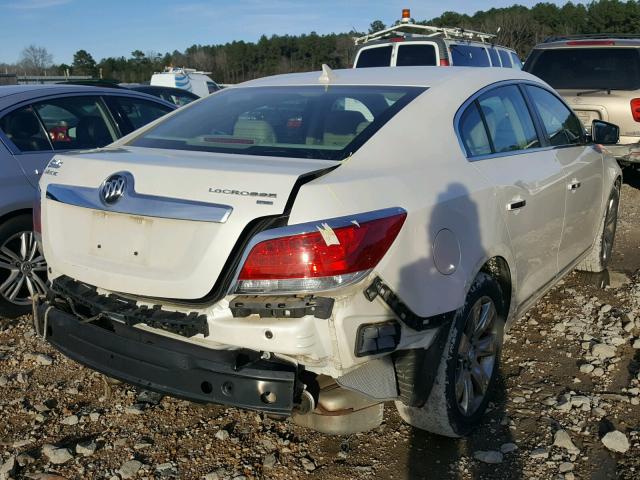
x=375, y=56
x=583, y=168
x=27, y=140
x=502, y=141
x=417, y=54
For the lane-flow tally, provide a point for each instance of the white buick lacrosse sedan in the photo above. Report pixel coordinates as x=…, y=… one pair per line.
x=313, y=245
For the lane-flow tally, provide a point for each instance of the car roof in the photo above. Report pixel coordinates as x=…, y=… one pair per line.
x=588, y=42
x=462, y=78
x=12, y=94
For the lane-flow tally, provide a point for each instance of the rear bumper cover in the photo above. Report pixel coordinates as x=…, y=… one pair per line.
x=172, y=367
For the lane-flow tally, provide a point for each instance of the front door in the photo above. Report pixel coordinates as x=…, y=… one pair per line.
x=583, y=167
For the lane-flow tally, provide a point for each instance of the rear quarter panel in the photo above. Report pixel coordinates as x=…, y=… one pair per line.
x=415, y=162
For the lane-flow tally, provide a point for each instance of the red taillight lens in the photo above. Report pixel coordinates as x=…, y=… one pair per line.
x=635, y=109
x=327, y=252
x=444, y=62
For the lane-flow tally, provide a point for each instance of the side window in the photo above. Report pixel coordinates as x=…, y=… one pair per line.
x=375, y=57
x=504, y=56
x=516, y=61
x=508, y=120
x=469, y=56
x=472, y=132
x=139, y=112
x=23, y=128
x=495, y=59
x=560, y=123
x=75, y=122
x=416, y=55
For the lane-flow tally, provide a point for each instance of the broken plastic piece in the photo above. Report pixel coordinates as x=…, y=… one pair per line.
x=328, y=235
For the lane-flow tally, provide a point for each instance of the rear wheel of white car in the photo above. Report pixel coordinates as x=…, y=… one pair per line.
x=22, y=267
x=469, y=365
x=600, y=254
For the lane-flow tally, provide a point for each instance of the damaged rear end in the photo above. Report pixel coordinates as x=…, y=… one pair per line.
x=174, y=266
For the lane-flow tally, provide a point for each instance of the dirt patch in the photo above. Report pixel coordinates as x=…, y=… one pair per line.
x=569, y=365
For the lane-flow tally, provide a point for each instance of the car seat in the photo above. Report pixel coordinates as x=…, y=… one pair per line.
x=25, y=132
x=259, y=131
x=91, y=132
x=342, y=126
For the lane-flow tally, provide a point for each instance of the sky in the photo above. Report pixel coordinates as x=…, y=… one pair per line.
x=117, y=27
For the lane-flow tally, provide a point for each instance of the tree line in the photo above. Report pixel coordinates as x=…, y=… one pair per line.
x=517, y=27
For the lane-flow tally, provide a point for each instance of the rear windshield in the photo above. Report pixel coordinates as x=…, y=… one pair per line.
x=375, y=57
x=469, y=56
x=324, y=122
x=416, y=55
x=588, y=68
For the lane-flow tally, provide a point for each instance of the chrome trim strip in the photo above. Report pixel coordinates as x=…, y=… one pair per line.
x=133, y=203
x=308, y=227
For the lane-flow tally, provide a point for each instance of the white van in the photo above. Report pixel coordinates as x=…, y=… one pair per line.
x=187, y=79
x=411, y=44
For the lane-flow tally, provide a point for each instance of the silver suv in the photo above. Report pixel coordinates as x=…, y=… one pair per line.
x=599, y=77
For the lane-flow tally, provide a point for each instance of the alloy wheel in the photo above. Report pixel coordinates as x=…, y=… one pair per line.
x=476, y=356
x=22, y=269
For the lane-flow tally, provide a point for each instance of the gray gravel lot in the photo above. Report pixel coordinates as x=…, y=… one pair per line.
x=568, y=406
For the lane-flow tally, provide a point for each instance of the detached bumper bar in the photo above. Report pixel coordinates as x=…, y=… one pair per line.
x=172, y=367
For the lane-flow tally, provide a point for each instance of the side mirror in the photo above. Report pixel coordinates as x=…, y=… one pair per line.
x=604, y=133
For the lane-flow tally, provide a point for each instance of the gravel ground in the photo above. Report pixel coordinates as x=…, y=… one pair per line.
x=568, y=406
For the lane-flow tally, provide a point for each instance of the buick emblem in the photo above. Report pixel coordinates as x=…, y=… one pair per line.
x=113, y=189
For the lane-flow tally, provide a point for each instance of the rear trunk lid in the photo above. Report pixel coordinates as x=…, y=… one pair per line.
x=166, y=223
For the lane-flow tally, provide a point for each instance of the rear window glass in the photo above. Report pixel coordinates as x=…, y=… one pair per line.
x=375, y=57
x=504, y=56
x=495, y=61
x=324, y=122
x=588, y=68
x=416, y=55
x=469, y=56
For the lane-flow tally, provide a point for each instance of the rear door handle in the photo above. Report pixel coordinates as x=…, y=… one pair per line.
x=516, y=205
x=574, y=185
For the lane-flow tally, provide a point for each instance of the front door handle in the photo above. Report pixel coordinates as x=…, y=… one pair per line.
x=516, y=205
x=574, y=185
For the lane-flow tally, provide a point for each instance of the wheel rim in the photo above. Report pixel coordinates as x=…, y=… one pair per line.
x=22, y=269
x=609, y=230
x=476, y=356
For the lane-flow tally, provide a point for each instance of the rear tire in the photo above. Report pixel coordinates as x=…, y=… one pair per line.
x=22, y=267
x=598, y=257
x=469, y=366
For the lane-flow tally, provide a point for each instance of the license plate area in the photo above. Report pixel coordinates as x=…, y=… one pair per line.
x=121, y=238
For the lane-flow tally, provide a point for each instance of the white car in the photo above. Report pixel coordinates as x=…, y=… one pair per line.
x=317, y=244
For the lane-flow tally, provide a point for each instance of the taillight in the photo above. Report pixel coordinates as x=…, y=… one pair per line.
x=444, y=62
x=322, y=256
x=635, y=109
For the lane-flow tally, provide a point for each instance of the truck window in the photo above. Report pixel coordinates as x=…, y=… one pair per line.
x=469, y=56
x=375, y=57
x=495, y=59
x=416, y=55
